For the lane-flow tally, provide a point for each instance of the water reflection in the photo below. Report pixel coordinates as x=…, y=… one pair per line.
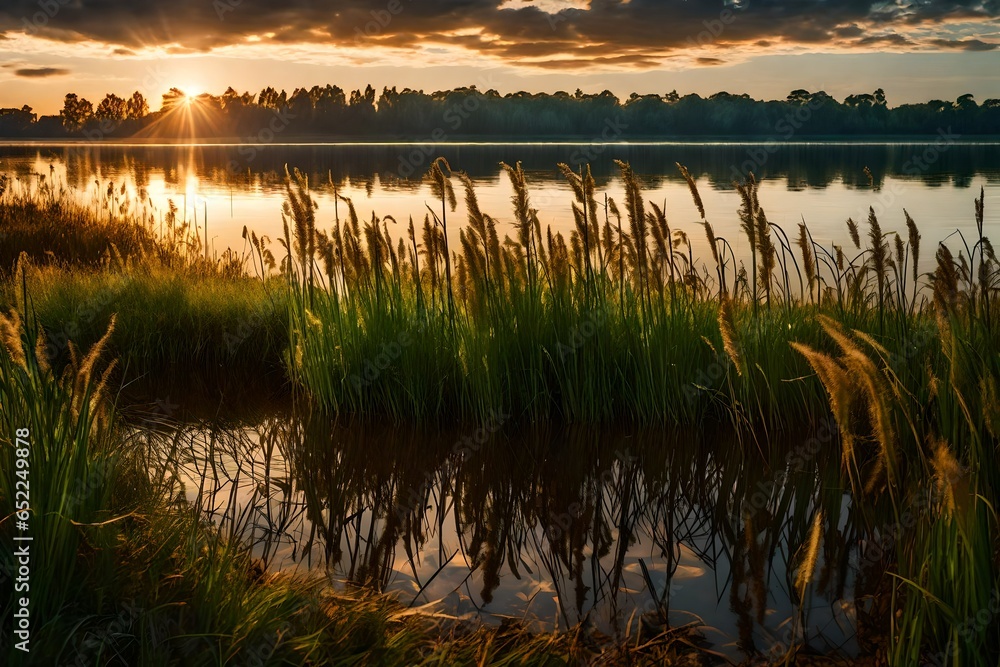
x=799, y=165
x=229, y=186
x=555, y=526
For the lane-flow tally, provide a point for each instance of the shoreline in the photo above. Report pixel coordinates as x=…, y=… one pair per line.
x=701, y=140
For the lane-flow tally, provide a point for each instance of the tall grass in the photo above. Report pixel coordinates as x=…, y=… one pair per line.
x=181, y=309
x=633, y=328
x=920, y=443
x=124, y=571
x=169, y=321
x=71, y=457
x=617, y=321
x=52, y=223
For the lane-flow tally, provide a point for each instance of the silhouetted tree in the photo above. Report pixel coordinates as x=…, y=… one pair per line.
x=111, y=108
x=468, y=111
x=136, y=108
x=172, y=99
x=76, y=111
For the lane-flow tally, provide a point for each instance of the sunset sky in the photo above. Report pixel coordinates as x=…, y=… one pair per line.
x=915, y=49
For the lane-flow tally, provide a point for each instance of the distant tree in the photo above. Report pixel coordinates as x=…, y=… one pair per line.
x=111, y=108
x=208, y=102
x=269, y=98
x=860, y=101
x=366, y=99
x=330, y=98
x=799, y=96
x=25, y=113
x=136, y=107
x=231, y=99
x=14, y=122
x=301, y=103
x=76, y=111
x=172, y=99
x=468, y=111
x=966, y=102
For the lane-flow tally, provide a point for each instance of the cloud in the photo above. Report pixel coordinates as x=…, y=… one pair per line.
x=891, y=39
x=965, y=44
x=852, y=30
x=550, y=34
x=40, y=72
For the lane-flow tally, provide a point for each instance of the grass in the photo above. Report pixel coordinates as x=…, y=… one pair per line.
x=124, y=573
x=180, y=309
x=908, y=364
x=617, y=322
x=169, y=321
x=53, y=223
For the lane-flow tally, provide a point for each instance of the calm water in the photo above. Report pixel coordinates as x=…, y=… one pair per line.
x=550, y=526
x=823, y=184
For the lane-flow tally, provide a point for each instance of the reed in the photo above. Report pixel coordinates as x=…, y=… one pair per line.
x=110, y=224
x=903, y=363
x=920, y=449
x=542, y=327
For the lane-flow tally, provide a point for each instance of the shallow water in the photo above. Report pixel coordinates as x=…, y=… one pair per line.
x=233, y=185
x=552, y=526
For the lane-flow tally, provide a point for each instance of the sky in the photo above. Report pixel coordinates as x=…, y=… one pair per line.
x=916, y=50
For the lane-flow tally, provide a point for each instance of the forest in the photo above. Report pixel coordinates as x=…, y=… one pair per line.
x=330, y=111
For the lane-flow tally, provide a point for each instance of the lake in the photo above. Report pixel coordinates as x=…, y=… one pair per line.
x=823, y=184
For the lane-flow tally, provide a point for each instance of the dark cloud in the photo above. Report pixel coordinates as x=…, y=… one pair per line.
x=40, y=72
x=965, y=44
x=852, y=30
x=711, y=61
x=613, y=32
x=892, y=39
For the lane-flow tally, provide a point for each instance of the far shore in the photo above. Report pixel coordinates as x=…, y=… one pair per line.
x=569, y=140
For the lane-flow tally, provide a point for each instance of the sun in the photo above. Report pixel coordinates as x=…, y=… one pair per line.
x=192, y=91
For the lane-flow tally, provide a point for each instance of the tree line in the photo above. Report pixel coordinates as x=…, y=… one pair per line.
x=330, y=111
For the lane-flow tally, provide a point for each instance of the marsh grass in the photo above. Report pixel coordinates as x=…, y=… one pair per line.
x=169, y=320
x=86, y=258
x=922, y=445
x=125, y=571
x=539, y=327
x=51, y=223
x=617, y=322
